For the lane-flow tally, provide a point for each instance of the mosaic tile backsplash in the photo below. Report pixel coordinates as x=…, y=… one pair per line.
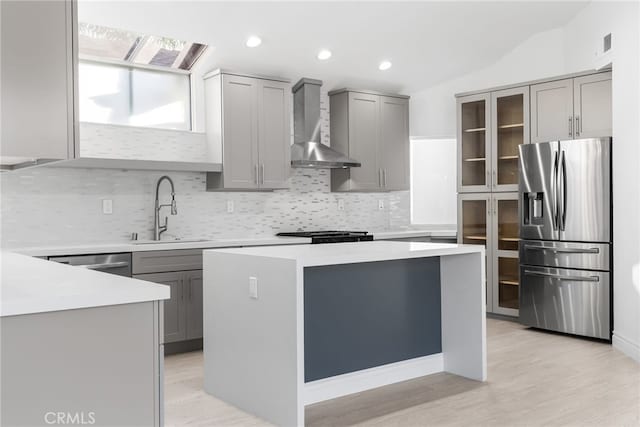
x=47, y=206
x=51, y=206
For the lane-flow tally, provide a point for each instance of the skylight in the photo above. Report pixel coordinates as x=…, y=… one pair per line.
x=97, y=42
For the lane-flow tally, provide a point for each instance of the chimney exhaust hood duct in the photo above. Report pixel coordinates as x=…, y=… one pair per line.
x=307, y=151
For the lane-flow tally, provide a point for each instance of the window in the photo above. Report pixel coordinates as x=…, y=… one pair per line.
x=134, y=79
x=433, y=181
x=105, y=43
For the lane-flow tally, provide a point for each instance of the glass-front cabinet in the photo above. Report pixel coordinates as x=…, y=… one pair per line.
x=474, y=143
x=490, y=128
x=509, y=128
x=504, y=243
x=474, y=225
x=491, y=220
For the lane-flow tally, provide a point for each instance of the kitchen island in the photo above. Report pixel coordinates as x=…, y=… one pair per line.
x=78, y=346
x=286, y=327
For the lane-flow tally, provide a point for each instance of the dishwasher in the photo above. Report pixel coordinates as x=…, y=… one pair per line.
x=119, y=264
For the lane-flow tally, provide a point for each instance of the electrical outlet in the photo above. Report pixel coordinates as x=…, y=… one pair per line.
x=107, y=206
x=380, y=205
x=230, y=206
x=253, y=287
x=340, y=204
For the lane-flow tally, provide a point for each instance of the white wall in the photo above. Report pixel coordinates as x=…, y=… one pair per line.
x=580, y=38
x=433, y=182
x=560, y=51
x=433, y=111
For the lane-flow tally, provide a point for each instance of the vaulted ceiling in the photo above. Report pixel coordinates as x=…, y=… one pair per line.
x=427, y=42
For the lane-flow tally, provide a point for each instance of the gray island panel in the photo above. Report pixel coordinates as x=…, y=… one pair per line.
x=362, y=315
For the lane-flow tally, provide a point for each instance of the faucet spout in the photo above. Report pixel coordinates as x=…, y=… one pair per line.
x=157, y=228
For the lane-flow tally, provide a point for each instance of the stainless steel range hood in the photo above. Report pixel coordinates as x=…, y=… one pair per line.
x=307, y=150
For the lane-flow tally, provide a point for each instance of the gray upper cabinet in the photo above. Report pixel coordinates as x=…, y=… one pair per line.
x=248, y=130
x=373, y=129
x=574, y=108
x=274, y=130
x=552, y=111
x=592, y=105
x=240, y=131
x=37, y=79
x=394, y=142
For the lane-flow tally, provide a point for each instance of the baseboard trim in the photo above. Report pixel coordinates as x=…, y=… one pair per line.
x=354, y=382
x=626, y=346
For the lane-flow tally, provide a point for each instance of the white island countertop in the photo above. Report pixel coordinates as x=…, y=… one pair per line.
x=30, y=285
x=347, y=253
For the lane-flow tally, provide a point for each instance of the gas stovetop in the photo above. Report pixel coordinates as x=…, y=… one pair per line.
x=331, y=236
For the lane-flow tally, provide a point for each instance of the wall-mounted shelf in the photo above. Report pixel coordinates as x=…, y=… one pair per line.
x=509, y=282
x=475, y=159
x=508, y=157
x=510, y=239
x=475, y=130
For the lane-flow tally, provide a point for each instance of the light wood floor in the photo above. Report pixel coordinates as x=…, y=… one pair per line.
x=535, y=379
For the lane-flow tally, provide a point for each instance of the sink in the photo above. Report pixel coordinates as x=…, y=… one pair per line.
x=157, y=242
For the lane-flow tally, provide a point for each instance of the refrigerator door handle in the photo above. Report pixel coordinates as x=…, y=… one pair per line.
x=560, y=277
x=554, y=193
x=563, y=177
x=563, y=250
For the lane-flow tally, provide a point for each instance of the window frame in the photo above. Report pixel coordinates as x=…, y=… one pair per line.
x=130, y=65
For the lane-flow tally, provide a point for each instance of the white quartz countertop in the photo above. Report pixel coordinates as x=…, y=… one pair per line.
x=141, y=246
x=113, y=247
x=405, y=234
x=346, y=253
x=30, y=285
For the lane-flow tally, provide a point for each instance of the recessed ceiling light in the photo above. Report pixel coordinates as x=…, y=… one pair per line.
x=254, y=41
x=384, y=65
x=324, y=54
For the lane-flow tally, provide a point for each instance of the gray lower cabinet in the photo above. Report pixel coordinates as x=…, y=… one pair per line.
x=373, y=129
x=248, y=131
x=193, y=286
x=183, y=311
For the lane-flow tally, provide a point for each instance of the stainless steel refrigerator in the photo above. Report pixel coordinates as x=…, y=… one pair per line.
x=565, y=236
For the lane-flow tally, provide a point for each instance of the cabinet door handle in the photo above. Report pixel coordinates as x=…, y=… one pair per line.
x=578, y=128
x=494, y=182
x=255, y=167
x=495, y=206
x=379, y=177
x=181, y=290
x=570, y=126
x=384, y=178
x=189, y=287
x=489, y=183
x=262, y=174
